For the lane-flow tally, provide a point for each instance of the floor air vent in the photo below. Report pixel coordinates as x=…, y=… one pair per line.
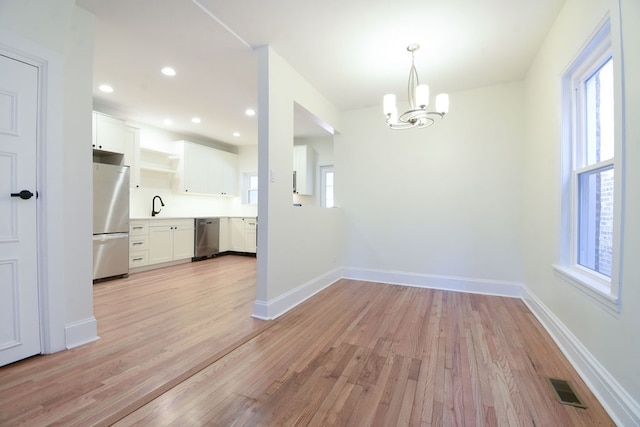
x=565, y=393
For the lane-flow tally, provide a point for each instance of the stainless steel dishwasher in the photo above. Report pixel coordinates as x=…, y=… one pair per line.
x=207, y=238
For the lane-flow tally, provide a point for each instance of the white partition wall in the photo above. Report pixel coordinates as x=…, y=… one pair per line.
x=298, y=247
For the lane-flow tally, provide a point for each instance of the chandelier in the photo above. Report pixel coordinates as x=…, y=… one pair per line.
x=417, y=115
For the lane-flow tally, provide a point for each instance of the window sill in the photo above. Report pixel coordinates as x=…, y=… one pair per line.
x=590, y=286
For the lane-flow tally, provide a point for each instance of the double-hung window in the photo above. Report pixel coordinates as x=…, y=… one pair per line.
x=591, y=173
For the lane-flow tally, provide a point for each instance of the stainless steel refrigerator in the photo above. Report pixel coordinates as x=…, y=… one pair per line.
x=110, y=221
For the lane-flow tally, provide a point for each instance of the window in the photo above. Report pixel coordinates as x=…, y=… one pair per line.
x=594, y=173
x=326, y=186
x=591, y=170
x=250, y=184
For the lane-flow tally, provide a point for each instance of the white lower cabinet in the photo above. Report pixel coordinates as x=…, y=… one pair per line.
x=138, y=243
x=158, y=241
x=225, y=235
x=183, y=235
x=160, y=244
x=243, y=234
x=170, y=240
x=251, y=235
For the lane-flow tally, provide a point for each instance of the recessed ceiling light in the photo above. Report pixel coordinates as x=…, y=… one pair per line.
x=250, y=112
x=168, y=71
x=105, y=88
x=236, y=134
x=167, y=122
x=196, y=120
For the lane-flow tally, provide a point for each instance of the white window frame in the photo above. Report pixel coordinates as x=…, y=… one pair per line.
x=323, y=170
x=599, y=288
x=246, y=187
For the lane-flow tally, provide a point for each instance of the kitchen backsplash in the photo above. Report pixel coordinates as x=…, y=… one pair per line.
x=182, y=205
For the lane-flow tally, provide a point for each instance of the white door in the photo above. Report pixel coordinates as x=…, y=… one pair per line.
x=19, y=316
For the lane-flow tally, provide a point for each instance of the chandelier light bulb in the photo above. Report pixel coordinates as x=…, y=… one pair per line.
x=389, y=103
x=442, y=103
x=422, y=96
x=393, y=116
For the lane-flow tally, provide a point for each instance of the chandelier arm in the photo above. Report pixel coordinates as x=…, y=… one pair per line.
x=412, y=83
x=414, y=118
x=400, y=125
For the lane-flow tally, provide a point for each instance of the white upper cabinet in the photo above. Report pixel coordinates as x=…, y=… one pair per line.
x=303, y=162
x=205, y=170
x=194, y=169
x=132, y=154
x=108, y=133
x=224, y=168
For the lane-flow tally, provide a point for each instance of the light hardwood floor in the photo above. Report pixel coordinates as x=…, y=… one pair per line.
x=178, y=348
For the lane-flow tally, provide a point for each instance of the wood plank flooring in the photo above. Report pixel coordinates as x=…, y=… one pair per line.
x=370, y=354
x=157, y=328
x=356, y=354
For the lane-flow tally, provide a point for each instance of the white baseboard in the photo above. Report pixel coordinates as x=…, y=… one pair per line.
x=81, y=332
x=268, y=310
x=431, y=281
x=621, y=407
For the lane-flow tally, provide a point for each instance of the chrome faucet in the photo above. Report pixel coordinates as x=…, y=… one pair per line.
x=155, y=212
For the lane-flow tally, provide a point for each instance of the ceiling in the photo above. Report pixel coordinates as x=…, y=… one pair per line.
x=352, y=51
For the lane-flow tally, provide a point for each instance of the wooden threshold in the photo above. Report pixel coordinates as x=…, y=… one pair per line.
x=163, y=388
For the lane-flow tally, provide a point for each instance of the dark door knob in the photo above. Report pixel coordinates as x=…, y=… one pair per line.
x=24, y=194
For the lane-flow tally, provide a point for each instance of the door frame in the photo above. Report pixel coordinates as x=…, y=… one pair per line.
x=49, y=182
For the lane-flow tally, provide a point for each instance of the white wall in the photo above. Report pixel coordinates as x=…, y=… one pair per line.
x=44, y=22
x=443, y=201
x=298, y=248
x=78, y=216
x=610, y=344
